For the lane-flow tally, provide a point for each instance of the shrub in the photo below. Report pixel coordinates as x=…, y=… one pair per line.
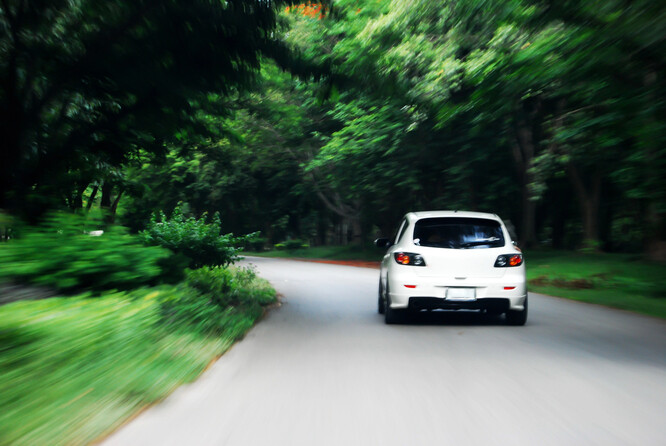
x=230, y=286
x=290, y=245
x=211, y=295
x=193, y=238
x=60, y=254
x=215, y=283
x=73, y=368
x=255, y=242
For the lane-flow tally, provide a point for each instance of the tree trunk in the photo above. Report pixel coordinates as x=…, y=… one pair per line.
x=114, y=206
x=11, y=131
x=105, y=203
x=350, y=212
x=93, y=195
x=77, y=202
x=559, y=208
x=355, y=230
x=523, y=154
x=106, y=196
x=268, y=232
x=655, y=237
x=528, y=235
x=588, y=201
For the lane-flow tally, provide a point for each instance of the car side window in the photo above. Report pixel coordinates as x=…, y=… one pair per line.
x=401, y=231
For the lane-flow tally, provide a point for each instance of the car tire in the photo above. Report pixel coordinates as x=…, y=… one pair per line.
x=380, y=299
x=391, y=316
x=517, y=317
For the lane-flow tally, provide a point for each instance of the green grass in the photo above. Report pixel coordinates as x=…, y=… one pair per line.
x=616, y=280
x=622, y=281
x=349, y=252
x=74, y=368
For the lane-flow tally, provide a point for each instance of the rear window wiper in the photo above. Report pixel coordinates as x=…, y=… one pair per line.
x=487, y=241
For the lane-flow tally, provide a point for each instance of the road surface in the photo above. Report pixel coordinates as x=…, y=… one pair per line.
x=323, y=369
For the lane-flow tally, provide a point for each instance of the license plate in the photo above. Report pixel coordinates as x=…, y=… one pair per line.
x=461, y=294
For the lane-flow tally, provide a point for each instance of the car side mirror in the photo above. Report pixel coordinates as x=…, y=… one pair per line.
x=382, y=243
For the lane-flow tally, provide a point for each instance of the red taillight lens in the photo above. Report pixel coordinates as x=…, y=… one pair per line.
x=506, y=260
x=515, y=260
x=402, y=258
x=409, y=258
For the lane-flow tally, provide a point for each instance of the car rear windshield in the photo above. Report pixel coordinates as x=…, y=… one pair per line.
x=458, y=233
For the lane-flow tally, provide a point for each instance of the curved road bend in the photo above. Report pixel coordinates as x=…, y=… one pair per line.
x=323, y=369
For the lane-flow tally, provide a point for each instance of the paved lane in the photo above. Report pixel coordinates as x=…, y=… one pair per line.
x=323, y=369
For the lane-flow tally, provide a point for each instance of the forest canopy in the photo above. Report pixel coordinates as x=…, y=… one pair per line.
x=327, y=121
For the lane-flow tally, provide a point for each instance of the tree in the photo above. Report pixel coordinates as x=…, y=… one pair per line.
x=86, y=85
x=537, y=80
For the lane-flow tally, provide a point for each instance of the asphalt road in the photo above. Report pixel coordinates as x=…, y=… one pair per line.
x=323, y=369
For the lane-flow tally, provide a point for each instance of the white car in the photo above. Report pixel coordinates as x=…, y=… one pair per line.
x=452, y=260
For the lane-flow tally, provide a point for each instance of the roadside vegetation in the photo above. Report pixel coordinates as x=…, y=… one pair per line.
x=296, y=126
x=339, y=117
x=625, y=281
x=345, y=252
x=124, y=324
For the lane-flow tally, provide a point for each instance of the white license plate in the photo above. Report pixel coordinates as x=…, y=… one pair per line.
x=461, y=294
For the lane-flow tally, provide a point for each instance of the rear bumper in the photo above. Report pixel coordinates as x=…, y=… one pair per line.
x=498, y=294
x=494, y=304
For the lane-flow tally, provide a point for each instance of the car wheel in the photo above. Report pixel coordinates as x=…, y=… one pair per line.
x=391, y=316
x=380, y=298
x=517, y=317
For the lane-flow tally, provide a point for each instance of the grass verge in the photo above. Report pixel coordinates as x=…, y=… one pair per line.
x=349, y=252
x=74, y=368
x=622, y=281
x=617, y=280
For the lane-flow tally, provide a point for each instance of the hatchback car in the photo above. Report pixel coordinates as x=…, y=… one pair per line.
x=452, y=260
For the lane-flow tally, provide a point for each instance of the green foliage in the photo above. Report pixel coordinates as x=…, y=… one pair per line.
x=500, y=106
x=72, y=369
x=493, y=105
x=616, y=280
x=255, y=243
x=363, y=253
x=251, y=175
x=212, y=299
x=92, y=85
x=291, y=244
x=60, y=254
x=194, y=238
x=228, y=286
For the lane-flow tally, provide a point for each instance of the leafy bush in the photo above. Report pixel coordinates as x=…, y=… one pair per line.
x=255, y=242
x=290, y=245
x=214, y=283
x=213, y=294
x=194, y=238
x=73, y=368
x=60, y=254
x=231, y=286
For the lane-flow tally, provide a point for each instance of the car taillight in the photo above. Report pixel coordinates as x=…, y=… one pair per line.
x=409, y=258
x=507, y=260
